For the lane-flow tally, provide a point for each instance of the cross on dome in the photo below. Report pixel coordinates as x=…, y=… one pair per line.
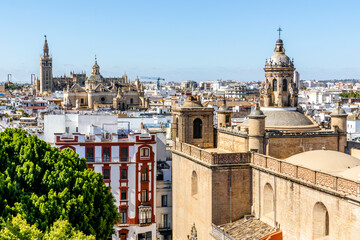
x=279, y=30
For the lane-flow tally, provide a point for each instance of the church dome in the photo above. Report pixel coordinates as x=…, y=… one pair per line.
x=95, y=74
x=279, y=58
x=338, y=111
x=192, y=102
x=95, y=78
x=223, y=108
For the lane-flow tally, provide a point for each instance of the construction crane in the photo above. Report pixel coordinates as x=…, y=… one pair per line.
x=158, y=79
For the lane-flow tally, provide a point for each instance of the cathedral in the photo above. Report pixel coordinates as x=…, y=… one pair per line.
x=90, y=93
x=278, y=175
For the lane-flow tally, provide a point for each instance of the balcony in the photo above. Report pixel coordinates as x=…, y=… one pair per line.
x=145, y=221
x=145, y=215
x=164, y=226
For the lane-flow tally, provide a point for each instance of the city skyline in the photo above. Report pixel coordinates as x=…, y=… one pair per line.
x=179, y=41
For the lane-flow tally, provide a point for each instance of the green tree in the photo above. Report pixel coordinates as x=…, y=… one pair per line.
x=44, y=184
x=62, y=230
x=17, y=228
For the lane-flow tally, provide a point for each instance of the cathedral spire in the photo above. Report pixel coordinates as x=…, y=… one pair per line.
x=45, y=48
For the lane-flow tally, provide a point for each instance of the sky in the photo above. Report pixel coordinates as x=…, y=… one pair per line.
x=180, y=40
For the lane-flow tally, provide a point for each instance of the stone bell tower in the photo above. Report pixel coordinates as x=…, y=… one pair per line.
x=193, y=123
x=46, y=83
x=279, y=88
x=224, y=115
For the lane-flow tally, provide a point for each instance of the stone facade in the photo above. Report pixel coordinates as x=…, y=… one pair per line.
x=97, y=93
x=294, y=199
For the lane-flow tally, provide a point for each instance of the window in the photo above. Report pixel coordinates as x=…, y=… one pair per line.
x=177, y=127
x=227, y=119
x=106, y=154
x=145, y=215
x=144, y=152
x=144, y=175
x=320, y=221
x=274, y=85
x=124, y=154
x=131, y=101
x=106, y=174
x=89, y=154
x=102, y=99
x=197, y=128
x=164, y=221
x=144, y=197
x=123, y=195
x=123, y=216
x=82, y=101
x=123, y=174
x=144, y=236
x=164, y=200
x=67, y=129
x=194, y=183
x=284, y=86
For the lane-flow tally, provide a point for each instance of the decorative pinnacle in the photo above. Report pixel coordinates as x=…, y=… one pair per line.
x=279, y=30
x=45, y=37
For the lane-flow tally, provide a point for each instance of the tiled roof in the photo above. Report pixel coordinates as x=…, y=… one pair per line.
x=251, y=229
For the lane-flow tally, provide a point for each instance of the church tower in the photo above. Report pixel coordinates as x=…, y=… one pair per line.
x=193, y=123
x=279, y=88
x=46, y=83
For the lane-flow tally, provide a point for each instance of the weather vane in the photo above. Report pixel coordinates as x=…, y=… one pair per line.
x=279, y=30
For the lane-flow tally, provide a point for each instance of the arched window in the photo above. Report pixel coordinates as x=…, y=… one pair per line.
x=320, y=221
x=284, y=86
x=274, y=85
x=177, y=127
x=227, y=119
x=145, y=152
x=197, y=127
x=268, y=205
x=194, y=183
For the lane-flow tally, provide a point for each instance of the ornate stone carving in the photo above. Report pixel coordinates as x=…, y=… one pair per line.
x=193, y=233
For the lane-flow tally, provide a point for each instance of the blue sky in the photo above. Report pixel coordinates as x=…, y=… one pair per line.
x=180, y=40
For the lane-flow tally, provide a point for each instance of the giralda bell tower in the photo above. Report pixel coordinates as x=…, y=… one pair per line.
x=46, y=83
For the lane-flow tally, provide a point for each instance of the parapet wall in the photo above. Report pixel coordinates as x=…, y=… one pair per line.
x=211, y=158
x=316, y=178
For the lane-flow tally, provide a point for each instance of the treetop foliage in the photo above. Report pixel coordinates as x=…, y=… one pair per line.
x=44, y=184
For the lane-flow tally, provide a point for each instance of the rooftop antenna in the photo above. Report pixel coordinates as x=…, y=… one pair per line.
x=279, y=30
